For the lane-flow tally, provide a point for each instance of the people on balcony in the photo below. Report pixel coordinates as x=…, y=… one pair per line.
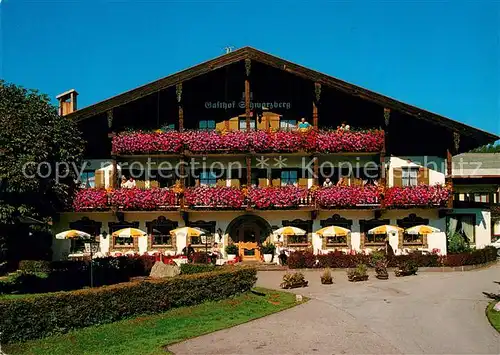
x=304, y=126
x=327, y=183
x=127, y=184
x=344, y=127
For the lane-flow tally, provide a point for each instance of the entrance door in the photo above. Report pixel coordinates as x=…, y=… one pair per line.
x=249, y=237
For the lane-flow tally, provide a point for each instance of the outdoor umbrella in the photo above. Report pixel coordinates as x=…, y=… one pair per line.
x=289, y=231
x=129, y=232
x=72, y=234
x=422, y=229
x=385, y=229
x=333, y=231
x=188, y=232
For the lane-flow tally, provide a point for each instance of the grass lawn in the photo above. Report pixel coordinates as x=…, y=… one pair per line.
x=493, y=316
x=149, y=334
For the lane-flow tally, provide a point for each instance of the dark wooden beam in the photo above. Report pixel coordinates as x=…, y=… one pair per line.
x=249, y=171
x=248, y=65
x=449, y=176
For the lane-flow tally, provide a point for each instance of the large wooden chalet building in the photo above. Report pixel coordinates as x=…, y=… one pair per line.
x=227, y=152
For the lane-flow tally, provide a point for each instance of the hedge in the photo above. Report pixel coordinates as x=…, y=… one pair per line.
x=188, y=269
x=306, y=259
x=38, y=276
x=43, y=315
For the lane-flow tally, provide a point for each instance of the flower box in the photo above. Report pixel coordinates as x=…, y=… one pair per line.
x=347, y=196
x=276, y=197
x=416, y=196
x=147, y=199
x=90, y=199
x=214, y=197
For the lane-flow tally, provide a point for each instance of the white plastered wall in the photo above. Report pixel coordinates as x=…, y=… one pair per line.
x=436, y=166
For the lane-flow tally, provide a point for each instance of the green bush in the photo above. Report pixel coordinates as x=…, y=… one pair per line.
x=188, y=269
x=43, y=315
x=457, y=243
x=268, y=248
x=232, y=249
x=35, y=266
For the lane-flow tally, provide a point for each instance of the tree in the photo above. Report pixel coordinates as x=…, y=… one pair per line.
x=38, y=152
x=489, y=148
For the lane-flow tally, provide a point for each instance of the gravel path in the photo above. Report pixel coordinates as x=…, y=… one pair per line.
x=431, y=313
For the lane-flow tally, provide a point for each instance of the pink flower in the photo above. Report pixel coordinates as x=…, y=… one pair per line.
x=215, y=197
x=347, y=196
x=421, y=195
x=90, y=199
x=277, y=197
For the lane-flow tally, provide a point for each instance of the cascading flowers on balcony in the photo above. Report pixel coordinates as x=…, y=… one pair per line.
x=276, y=197
x=214, y=197
x=147, y=199
x=90, y=199
x=147, y=142
x=421, y=195
x=347, y=196
x=350, y=141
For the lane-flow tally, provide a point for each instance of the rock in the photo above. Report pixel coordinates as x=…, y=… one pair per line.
x=161, y=270
x=496, y=307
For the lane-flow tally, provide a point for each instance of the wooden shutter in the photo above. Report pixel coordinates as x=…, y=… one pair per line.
x=398, y=176
x=423, y=176
x=99, y=179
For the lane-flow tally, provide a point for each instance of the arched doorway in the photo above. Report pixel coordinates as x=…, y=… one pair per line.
x=249, y=232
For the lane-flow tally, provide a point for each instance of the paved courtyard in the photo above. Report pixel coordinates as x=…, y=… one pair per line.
x=431, y=313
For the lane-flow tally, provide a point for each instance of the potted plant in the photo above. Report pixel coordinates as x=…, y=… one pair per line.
x=293, y=280
x=406, y=268
x=268, y=250
x=231, y=251
x=326, y=277
x=381, y=270
x=358, y=274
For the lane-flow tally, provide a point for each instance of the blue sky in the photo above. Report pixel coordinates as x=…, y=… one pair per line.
x=441, y=56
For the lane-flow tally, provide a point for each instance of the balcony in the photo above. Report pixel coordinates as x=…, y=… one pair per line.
x=476, y=200
x=420, y=196
x=261, y=198
x=234, y=142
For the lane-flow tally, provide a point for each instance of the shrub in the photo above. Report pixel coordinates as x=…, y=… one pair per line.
x=268, y=248
x=232, y=249
x=457, y=243
x=302, y=259
x=381, y=270
x=358, y=274
x=293, y=280
x=326, y=277
x=44, y=315
x=35, y=266
x=479, y=256
x=406, y=268
x=188, y=269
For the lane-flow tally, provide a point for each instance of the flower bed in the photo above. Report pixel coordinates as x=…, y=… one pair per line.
x=147, y=142
x=90, y=199
x=346, y=196
x=139, y=199
x=421, y=196
x=214, y=197
x=276, y=197
x=242, y=141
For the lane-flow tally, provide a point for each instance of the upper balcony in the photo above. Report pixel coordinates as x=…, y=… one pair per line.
x=262, y=198
x=237, y=142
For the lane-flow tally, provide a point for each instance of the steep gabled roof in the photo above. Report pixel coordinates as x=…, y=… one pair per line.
x=268, y=59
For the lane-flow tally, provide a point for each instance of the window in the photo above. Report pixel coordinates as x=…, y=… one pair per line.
x=206, y=125
x=373, y=239
x=481, y=197
x=336, y=241
x=410, y=176
x=208, y=178
x=337, y=220
x=87, y=179
x=85, y=225
x=411, y=221
x=160, y=236
x=77, y=246
x=288, y=125
x=289, y=177
x=122, y=242
x=464, y=224
x=298, y=240
x=243, y=124
x=208, y=237
x=168, y=127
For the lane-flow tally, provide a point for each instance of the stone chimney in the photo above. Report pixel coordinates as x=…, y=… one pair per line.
x=67, y=102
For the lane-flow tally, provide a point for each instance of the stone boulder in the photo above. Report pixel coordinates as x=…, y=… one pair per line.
x=161, y=270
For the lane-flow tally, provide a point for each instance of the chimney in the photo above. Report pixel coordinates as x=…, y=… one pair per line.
x=67, y=102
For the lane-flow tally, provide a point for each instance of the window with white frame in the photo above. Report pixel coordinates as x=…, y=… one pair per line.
x=208, y=178
x=243, y=124
x=288, y=125
x=409, y=176
x=206, y=125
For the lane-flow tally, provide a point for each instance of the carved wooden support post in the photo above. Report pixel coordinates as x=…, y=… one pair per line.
x=114, y=173
x=182, y=181
x=317, y=96
x=449, y=179
x=248, y=65
x=316, y=170
x=178, y=92
x=249, y=171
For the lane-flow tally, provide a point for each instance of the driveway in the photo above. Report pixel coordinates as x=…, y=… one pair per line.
x=431, y=313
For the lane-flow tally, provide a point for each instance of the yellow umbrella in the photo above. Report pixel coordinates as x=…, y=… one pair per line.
x=71, y=234
x=385, y=229
x=188, y=231
x=422, y=229
x=129, y=232
x=333, y=231
x=289, y=231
